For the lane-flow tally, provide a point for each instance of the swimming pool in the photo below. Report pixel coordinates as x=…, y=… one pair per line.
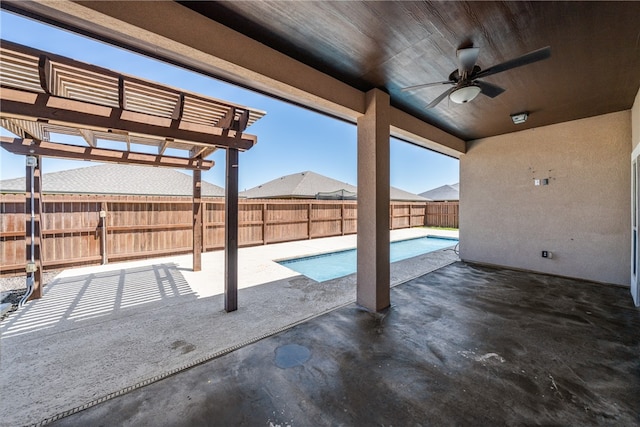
x=342, y=263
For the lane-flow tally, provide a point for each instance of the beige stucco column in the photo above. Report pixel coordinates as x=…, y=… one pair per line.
x=373, y=289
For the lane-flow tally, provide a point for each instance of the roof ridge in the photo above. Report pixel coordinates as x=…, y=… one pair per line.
x=305, y=175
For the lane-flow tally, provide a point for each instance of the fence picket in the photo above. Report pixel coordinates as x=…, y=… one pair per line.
x=148, y=226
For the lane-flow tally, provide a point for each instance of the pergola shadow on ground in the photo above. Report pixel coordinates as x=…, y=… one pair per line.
x=101, y=296
x=100, y=331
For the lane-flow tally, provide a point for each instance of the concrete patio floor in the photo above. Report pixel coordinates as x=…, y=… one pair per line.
x=464, y=345
x=101, y=331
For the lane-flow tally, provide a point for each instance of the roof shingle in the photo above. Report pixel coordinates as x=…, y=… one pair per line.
x=116, y=179
x=306, y=185
x=443, y=193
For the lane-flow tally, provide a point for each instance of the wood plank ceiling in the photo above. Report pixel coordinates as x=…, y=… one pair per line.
x=594, y=66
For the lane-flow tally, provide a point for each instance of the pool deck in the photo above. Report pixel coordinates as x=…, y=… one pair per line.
x=99, y=331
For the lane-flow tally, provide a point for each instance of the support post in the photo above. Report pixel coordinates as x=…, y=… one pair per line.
x=373, y=287
x=34, y=234
x=231, y=232
x=197, y=220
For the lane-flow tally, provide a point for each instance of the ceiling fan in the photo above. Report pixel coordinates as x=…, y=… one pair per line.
x=464, y=80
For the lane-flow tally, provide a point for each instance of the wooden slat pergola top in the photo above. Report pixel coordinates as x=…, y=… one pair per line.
x=44, y=94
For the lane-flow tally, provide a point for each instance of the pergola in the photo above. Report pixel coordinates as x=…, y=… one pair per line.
x=45, y=94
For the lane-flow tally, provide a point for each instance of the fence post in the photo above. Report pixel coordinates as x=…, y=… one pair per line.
x=410, y=214
x=427, y=208
x=309, y=221
x=426, y=212
x=264, y=223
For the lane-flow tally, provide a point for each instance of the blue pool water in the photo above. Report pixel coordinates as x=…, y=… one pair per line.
x=337, y=264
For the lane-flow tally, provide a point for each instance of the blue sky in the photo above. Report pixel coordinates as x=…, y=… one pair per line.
x=290, y=139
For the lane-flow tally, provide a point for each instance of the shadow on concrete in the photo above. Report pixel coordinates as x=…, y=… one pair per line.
x=69, y=301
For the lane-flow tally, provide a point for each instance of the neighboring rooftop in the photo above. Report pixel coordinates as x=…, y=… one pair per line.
x=116, y=179
x=401, y=196
x=443, y=193
x=311, y=185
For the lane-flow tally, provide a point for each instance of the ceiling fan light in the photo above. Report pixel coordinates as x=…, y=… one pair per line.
x=464, y=94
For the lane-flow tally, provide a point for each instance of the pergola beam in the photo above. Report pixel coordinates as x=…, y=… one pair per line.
x=226, y=121
x=162, y=147
x=89, y=137
x=207, y=152
x=21, y=104
x=74, y=152
x=196, y=152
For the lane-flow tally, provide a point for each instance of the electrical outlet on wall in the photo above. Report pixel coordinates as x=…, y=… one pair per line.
x=547, y=254
x=541, y=181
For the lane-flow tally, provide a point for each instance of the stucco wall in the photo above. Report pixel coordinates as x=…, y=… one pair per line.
x=582, y=216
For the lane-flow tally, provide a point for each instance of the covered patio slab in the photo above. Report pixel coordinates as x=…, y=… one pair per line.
x=101, y=331
x=464, y=345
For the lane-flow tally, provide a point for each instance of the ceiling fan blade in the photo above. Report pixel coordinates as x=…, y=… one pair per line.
x=467, y=60
x=488, y=89
x=527, y=58
x=440, y=98
x=404, y=89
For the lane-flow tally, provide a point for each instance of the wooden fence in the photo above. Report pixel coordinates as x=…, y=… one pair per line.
x=143, y=227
